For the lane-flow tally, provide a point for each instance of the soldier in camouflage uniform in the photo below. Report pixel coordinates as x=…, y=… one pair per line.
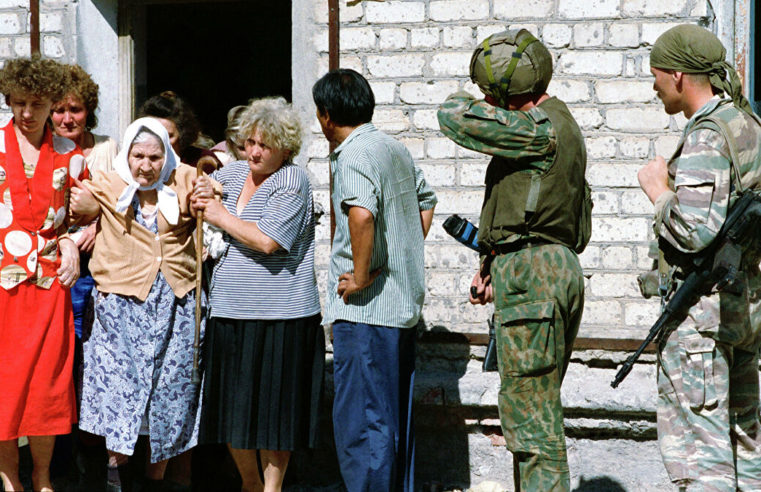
x=708, y=387
x=534, y=219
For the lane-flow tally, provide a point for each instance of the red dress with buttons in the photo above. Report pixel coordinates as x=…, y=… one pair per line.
x=36, y=321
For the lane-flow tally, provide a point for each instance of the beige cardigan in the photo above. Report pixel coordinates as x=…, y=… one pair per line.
x=127, y=256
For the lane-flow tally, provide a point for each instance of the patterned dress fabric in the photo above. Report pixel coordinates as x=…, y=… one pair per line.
x=137, y=369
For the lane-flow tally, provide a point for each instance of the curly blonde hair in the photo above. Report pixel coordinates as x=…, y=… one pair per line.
x=39, y=76
x=277, y=121
x=84, y=88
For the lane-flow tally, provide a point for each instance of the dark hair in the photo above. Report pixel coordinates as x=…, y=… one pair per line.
x=345, y=96
x=170, y=106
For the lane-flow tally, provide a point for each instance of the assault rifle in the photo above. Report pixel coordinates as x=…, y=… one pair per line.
x=717, y=266
x=466, y=233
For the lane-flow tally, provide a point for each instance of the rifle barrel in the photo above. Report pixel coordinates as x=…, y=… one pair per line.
x=679, y=303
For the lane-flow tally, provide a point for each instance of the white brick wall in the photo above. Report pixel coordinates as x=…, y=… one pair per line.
x=10, y=24
x=519, y=9
x=624, y=91
x=457, y=10
x=655, y=8
x=586, y=9
x=557, y=35
x=416, y=52
x=395, y=12
x=393, y=39
x=591, y=63
x=396, y=65
x=588, y=35
x=56, y=28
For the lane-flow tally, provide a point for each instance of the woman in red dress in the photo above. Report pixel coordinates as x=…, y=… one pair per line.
x=38, y=264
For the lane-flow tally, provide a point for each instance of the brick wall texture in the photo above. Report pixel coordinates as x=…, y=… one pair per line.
x=15, y=27
x=415, y=53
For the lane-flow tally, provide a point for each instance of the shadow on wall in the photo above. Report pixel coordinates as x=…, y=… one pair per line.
x=442, y=455
x=599, y=484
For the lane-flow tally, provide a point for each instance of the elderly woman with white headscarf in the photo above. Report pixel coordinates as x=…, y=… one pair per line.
x=138, y=355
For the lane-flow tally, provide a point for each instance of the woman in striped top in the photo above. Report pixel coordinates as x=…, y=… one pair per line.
x=265, y=348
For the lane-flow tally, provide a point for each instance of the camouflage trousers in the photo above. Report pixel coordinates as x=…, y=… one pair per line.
x=708, y=396
x=538, y=300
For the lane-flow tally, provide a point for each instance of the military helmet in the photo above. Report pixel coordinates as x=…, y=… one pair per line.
x=509, y=63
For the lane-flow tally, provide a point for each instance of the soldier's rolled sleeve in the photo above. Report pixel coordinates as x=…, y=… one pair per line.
x=691, y=216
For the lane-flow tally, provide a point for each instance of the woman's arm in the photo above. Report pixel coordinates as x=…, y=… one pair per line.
x=68, y=273
x=246, y=232
x=82, y=203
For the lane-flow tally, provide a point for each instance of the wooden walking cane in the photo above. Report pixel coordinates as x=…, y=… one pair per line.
x=199, y=279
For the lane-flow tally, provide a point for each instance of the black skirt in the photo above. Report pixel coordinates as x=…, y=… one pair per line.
x=263, y=383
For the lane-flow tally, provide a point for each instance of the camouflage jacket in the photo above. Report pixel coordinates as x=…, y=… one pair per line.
x=534, y=184
x=525, y=137
x=690, y=215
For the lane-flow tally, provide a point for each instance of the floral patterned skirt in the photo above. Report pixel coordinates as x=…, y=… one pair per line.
x=138, y=360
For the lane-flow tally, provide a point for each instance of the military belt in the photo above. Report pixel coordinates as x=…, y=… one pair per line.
x=505, y=248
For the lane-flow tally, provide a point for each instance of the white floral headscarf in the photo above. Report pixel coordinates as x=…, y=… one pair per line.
x=168, y=203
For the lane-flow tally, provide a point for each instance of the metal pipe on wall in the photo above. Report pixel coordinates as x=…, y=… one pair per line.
x=34, y=26
x=333, y=63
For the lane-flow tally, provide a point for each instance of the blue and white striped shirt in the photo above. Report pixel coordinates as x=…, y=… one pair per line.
x=373, y=171
x=247, y=284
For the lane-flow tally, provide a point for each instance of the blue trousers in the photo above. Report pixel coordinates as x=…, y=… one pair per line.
x=80, y=294
x=374, y=372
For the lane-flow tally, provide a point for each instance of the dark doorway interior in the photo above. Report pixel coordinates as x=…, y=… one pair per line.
x=218, y=55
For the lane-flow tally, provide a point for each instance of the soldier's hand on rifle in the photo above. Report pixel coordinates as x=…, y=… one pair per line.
x=653, y=178
x=481, y=290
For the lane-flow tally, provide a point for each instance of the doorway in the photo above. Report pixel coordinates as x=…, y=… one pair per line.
x=214, y=54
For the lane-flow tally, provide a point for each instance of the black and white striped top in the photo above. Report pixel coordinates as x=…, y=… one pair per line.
x=247, y=284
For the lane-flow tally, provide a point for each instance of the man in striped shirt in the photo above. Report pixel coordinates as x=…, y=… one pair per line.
x=376, y=285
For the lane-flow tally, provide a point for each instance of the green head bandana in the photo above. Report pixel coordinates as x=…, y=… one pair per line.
x=692, y=49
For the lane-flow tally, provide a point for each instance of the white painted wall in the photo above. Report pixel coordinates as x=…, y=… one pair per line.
x=97, y=51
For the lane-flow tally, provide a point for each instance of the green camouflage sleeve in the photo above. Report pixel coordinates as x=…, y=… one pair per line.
x=480, y=126
x=691, y=216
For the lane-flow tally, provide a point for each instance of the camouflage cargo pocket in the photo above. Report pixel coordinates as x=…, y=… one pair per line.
x=697, y=371
x=526, y=338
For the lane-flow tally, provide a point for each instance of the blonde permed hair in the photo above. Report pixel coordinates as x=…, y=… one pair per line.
x=41, y=77
x=277, y=121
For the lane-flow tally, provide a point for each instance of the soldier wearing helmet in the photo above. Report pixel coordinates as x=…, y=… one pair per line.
x=534, y=220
